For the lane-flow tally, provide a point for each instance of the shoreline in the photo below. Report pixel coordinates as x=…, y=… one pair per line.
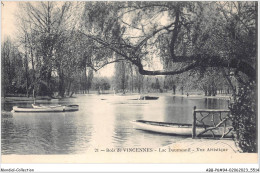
x=24, y=98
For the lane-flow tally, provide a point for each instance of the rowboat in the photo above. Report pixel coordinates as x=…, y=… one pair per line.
x=45, y=106
x=145, y=98
x=148, y=98
x=39, y=109
x=174, y=128
x=65, y=107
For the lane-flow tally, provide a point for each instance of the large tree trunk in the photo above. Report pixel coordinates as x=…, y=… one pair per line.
x=68, y=90
x=33, y=71
x=61, y=84
x=174, y=89
x=26, y=67
x=27, y=76
x=233, y=88
x=48, y=81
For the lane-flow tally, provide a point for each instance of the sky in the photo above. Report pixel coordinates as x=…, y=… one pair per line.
x=107, y=71
x=8, y=19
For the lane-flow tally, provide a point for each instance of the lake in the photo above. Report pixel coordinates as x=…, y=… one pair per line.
x=102, y=121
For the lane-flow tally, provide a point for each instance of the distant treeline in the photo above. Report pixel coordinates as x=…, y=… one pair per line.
x=21, y=78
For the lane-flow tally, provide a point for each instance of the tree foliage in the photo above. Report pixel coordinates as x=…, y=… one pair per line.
x=101, y=83
x=191, y=35
x=244, y=112
x=12, y=69
x=54, y=49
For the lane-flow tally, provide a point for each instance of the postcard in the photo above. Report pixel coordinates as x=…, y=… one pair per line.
x=129, y=82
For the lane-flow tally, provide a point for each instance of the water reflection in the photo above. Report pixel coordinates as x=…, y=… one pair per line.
x=43, y=133
x=102, y=121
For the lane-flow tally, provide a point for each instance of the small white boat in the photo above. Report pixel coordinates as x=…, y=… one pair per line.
x=173, y=128
x=43, y=109
x=65, y=107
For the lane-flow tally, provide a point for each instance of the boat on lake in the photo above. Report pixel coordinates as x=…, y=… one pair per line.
x=146, y=98
x=46, y=108
x=39, y=109
x=174, y=128
x=65, y=107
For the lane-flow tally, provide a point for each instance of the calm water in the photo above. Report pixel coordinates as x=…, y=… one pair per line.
x=102, y=121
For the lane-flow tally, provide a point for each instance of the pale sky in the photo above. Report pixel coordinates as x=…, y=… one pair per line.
x=108, y=70
x=8, y=19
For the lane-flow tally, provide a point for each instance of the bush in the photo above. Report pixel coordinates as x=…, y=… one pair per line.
x=244, y=112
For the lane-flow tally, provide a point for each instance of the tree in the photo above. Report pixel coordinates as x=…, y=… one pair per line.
x=6, y=77
x=156, y=85
x=121, y=76
x=244, y=118
x=43, y=25
x=209, y=81
x=138, y=80
x=188, y=39
x=13, y=69
x=170, y=82
x=90, y=76
x=101, y=83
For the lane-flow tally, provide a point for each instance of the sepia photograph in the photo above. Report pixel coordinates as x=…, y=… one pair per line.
x=129, y=82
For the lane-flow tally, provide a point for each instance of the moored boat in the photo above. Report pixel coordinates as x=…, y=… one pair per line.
x=65, y=107
x=148, y=98
x=174, y=128
x=45, y=106
x=43, y=109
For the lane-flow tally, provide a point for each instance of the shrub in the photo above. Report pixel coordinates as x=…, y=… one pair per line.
x=244, y=112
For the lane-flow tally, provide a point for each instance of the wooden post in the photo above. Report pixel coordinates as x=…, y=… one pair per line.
x=194, y=123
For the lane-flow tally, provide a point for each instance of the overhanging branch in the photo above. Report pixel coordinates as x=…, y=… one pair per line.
x=195, y=60
x=147, y=72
